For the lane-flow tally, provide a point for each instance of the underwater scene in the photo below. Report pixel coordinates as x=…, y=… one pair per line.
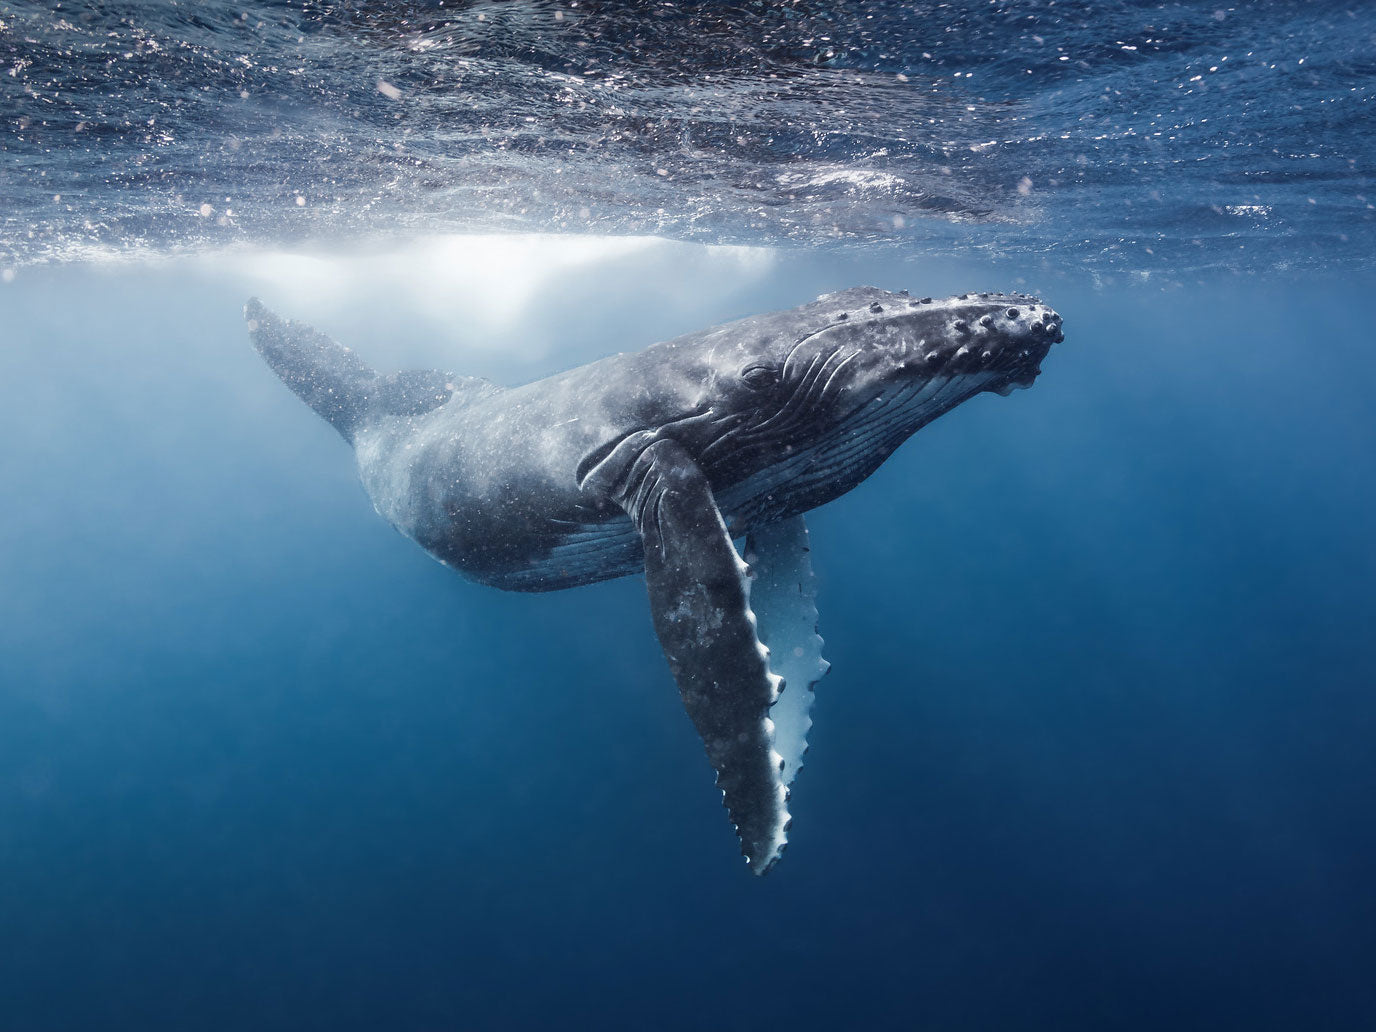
x=973, y=398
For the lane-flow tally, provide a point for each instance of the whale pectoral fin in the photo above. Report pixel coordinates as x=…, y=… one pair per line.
x=783, y=597
x=699, y=599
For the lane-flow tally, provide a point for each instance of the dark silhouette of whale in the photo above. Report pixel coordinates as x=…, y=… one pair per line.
x=658, y=461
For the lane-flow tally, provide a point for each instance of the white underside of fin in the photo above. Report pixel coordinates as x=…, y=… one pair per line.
x=783, y=597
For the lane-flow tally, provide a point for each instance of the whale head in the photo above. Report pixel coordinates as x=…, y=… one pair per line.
x=802, y=413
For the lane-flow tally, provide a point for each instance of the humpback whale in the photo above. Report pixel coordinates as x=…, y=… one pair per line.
x=661, y=461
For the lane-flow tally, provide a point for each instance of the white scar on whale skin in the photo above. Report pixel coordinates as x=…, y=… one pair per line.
x=656, y=462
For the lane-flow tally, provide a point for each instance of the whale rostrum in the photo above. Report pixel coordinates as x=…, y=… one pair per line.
x=660, y=461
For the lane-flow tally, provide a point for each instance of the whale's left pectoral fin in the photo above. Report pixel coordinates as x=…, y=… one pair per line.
x=699, y=599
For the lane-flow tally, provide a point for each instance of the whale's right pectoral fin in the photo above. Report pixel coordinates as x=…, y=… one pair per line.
x=699, y=599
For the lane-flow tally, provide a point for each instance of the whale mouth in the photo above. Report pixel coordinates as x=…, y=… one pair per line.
x=1009, y=386
x=1029, y=366
x=1021, y=382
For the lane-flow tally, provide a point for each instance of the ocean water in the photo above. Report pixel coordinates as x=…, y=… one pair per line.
x=1096, y=750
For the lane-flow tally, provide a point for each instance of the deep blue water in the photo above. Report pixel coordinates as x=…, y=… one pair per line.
x=1095, y=752
x=1096, y=748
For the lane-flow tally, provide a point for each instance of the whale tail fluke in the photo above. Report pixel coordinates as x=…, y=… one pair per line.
x=346, y=391
x=327, y=376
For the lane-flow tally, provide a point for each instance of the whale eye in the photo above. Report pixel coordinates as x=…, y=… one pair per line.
x=760, y=378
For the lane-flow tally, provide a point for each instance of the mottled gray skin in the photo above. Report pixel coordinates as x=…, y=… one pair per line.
x=655, y=460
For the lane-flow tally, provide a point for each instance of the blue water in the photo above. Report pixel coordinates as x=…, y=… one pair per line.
x=1096, y=748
